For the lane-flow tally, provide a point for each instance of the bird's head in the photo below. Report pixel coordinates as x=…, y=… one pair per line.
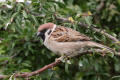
x=45, y=29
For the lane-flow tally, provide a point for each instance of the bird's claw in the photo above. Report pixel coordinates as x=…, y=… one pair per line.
x=60, y=58
x=63, y=59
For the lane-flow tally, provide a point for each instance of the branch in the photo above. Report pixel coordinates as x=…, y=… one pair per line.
x=106, y=34
x=100, y=31
x=27, y=75
x=92, y=27
x=24, y=75
x=2, y=77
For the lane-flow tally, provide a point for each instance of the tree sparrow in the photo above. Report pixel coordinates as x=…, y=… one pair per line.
x=66, y=41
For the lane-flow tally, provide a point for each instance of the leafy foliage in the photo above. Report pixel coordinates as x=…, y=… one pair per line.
x=18, y=27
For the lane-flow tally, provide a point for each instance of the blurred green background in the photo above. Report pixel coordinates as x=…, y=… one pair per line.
x=21, y=51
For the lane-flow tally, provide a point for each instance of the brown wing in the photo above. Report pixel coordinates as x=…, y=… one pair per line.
x=64, y=34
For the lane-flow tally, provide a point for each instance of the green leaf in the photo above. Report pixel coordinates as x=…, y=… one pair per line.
x=116, y=77
x=66, y=68
x=118, y=2
x=25, y=70
x=34, y=19
x=88, y=20
x=111, y=54
x=25, y=14
x=4, y=59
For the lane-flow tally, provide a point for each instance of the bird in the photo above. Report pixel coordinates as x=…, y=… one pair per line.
x=65, y=41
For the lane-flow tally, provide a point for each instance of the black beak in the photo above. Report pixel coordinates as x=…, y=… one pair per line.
x=41, y=35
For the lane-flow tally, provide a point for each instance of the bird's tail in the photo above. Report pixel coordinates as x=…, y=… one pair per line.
x=103, y=47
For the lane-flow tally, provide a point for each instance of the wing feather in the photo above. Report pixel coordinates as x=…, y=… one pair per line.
x=64, y=34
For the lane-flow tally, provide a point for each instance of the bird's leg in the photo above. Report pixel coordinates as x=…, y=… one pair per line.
x=60, y=58
x=64, y=58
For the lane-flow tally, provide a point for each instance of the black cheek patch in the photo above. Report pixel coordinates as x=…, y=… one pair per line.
x=43, y=37
x=43, y=34
x=49, y=32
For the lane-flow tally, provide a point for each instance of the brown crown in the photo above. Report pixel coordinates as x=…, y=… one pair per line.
x=45, y=26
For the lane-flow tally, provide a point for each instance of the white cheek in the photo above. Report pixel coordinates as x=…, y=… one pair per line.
x=47, y=34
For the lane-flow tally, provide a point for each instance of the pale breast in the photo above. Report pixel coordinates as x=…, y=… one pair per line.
x=67, y=48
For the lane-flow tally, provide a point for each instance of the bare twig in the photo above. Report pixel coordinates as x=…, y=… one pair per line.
x=106, y=34
x=40, y=70
x=100, y=31
x=26, y=75
x=3, y=77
